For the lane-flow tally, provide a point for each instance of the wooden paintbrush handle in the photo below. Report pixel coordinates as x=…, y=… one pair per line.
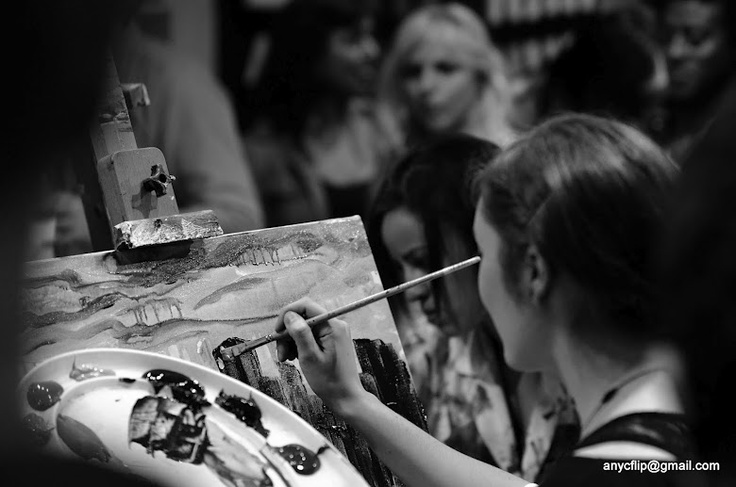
x=229, y=353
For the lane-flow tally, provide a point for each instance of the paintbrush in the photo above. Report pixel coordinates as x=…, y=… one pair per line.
x=228, y=353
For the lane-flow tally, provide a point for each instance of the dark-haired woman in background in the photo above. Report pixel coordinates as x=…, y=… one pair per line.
x=567, y=223
x=422, y=221
x=612, y=68
x=314, y=146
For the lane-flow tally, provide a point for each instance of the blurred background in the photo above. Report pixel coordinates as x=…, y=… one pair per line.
x=232, y=38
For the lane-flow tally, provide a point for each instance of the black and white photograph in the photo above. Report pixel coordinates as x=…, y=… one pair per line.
x=368, y=243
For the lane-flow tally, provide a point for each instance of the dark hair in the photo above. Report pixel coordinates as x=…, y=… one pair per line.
x=607, y=71
x=589, y=193
x=699, y=286
x=387, y=199
x=289, y=87
x=433, y=181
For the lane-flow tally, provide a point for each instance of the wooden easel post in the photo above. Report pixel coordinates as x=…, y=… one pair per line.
x=129, y=199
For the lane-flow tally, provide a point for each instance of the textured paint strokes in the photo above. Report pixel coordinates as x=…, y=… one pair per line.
x=388, y=379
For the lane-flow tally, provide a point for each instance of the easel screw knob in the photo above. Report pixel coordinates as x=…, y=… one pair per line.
x=158, y=181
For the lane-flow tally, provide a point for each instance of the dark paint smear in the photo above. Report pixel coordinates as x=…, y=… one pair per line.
x=51, y=335
x=169, y=271
x=103, y=302
x=67, y=275
x=127, y=380
x=233, y=368
x=242, y=285
x=246, y=410
x=160, y=335
x=184, y=389
x=288, y=389
x=43, y=395
x=228, y=250
x=37, y=429
x=239, y=248
x=44, y=343
x=180, y=434
x=227, y=343
x=303, y=460
x=308, y=242
x=81, y=439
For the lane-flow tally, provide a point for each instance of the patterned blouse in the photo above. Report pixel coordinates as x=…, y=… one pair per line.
x=521, y=428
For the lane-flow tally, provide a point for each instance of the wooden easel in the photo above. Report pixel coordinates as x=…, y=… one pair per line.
x=128, y=195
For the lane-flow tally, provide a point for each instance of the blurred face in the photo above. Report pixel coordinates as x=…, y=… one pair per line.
x=403, y=234
x=696, y=48
x=440, y=84
x=350, y=61
x=526, y=339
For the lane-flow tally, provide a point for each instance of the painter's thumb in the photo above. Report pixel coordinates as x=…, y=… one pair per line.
x=290, y=317
x=301, y=333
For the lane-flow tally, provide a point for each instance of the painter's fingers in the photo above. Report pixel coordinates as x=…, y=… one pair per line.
x=305, y=307
x=302, y=334
x=332, y=334
x=286, y=348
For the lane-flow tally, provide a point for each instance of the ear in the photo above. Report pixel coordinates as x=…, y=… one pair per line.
x=536, y=275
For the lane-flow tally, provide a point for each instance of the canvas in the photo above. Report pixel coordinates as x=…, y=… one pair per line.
x=225, y=289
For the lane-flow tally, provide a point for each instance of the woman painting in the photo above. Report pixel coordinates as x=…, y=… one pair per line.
x=566, y=223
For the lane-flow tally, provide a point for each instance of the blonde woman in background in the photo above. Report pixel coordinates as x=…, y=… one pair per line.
x=443, y=74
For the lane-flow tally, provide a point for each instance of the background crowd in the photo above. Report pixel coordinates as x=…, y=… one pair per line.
x=280, y=112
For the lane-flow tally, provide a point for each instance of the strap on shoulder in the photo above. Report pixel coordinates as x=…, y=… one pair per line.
x=666, y=431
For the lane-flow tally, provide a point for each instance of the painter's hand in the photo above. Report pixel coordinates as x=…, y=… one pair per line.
x=325, y=351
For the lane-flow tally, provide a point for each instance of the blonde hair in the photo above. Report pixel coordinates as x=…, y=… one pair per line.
x=495, y=103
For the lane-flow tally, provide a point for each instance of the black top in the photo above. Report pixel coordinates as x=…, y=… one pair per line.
x=666, y=431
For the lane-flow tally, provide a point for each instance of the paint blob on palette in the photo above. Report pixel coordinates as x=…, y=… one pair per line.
x=173, y=422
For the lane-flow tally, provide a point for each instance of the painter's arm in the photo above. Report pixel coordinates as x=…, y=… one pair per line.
x=327, y=358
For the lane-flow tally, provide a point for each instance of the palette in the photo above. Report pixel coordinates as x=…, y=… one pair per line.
x=173, y=422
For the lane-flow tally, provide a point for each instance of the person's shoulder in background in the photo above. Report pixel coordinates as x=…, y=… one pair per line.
x=192, y=120
x=288, y=186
